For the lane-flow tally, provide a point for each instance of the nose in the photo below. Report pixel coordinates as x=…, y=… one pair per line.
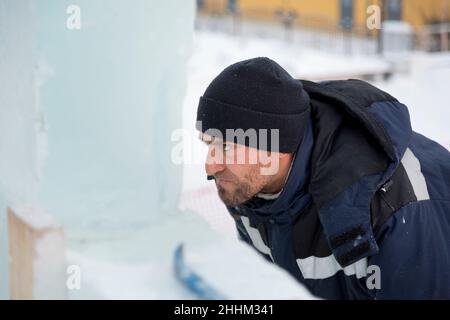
x=214, y=163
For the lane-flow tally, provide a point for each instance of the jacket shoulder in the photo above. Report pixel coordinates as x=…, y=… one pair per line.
x=354, y=91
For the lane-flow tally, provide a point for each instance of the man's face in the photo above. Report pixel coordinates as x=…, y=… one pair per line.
x=237, y=170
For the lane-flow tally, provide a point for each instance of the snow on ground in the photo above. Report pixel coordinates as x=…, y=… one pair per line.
x=141, y=266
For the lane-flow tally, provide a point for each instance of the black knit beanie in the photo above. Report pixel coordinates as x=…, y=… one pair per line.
x=256, y=94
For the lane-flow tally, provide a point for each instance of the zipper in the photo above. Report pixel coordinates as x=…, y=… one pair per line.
x=383, y=191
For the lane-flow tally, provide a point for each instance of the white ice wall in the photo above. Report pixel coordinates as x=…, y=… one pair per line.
x=110, y=95
x=113, y=96
x=19, y=117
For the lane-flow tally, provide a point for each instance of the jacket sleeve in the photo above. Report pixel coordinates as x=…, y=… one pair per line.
x=414, y=255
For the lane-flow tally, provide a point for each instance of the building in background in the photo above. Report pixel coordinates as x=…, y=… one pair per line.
x=429, y=19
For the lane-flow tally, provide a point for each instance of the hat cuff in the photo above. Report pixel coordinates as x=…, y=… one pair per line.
x=214, y=117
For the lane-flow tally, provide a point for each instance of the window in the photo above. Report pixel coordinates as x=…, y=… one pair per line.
x=394, y=9
x=346, y=14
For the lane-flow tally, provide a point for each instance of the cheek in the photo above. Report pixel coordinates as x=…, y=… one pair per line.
x=249, y=175
x=238, y=172
x=232, y=171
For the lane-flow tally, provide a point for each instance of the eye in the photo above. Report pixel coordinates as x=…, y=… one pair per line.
x=226, y=147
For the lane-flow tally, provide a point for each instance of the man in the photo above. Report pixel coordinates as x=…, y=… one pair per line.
x=342, y=193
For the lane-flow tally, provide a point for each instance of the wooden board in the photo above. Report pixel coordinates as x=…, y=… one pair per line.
x=28, y=262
